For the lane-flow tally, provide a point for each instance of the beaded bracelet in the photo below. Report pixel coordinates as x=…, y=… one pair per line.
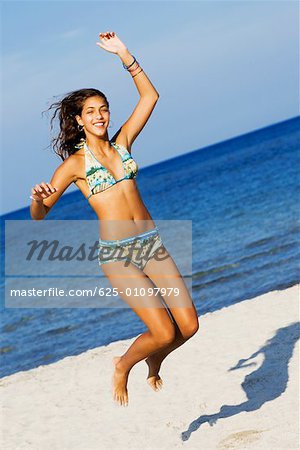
x=127, y=67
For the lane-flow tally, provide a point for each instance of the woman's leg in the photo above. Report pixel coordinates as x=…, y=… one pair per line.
x=165, y=274
x=149, y=308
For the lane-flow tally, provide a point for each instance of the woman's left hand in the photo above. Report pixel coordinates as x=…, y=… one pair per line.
x=110, y=42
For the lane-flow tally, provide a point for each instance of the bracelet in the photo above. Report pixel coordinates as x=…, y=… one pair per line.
x=134, y=70
x=135, y=62
x=127, y=67
x=137, y=73
x=39, y=201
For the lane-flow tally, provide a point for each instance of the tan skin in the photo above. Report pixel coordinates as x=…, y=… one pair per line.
x=166, y=330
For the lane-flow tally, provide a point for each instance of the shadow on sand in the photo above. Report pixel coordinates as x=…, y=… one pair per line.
x=266, y=383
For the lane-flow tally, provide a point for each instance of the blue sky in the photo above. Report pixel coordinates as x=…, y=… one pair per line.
x=222, y=68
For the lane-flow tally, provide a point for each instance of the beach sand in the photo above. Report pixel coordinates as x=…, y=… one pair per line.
x=203, y=404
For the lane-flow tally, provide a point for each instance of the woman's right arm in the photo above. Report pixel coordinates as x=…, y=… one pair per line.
x=45, y=195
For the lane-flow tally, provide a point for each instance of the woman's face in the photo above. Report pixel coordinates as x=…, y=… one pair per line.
x=94, y=116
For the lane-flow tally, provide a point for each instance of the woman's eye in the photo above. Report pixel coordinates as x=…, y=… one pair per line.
x=103, y=110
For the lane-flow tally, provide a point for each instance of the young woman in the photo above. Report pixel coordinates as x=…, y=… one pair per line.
x=104, y=170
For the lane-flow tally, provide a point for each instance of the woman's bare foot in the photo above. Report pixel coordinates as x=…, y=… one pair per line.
x=153, y=378
x=119, y=383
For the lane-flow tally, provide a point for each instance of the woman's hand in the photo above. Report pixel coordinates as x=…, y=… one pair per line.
x=110, y=42
x=41, y=191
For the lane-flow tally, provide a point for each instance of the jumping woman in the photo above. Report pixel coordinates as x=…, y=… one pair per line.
x=105, y=171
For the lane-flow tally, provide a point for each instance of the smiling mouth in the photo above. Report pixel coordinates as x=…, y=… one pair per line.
x=99, y=124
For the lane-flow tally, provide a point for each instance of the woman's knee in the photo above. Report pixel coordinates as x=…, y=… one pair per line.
x=190, y=328
x=165, y=335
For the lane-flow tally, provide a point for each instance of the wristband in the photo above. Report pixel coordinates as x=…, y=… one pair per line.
x=127, y=67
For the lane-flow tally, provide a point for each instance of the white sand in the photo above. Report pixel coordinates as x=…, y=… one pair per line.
x=68, y=405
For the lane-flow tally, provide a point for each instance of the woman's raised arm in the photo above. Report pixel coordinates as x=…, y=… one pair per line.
x=148, y=94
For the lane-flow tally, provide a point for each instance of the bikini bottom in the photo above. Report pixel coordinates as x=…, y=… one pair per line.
x=138, y=249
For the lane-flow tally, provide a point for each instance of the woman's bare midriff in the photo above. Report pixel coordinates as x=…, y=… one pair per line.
x=120, y=208
x=121, y=211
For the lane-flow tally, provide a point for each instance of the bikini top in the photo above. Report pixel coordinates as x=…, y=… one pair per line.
x=98, y=177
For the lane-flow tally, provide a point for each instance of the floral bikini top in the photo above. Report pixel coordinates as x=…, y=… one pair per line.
x=98, y=177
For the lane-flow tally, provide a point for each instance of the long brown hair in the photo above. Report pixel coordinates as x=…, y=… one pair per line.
x=64, y=144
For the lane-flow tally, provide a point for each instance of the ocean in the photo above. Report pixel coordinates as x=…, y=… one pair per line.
x=242, y=196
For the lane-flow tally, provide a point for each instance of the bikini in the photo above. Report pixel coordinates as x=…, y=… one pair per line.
x=98, y=177
x=138, y=249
